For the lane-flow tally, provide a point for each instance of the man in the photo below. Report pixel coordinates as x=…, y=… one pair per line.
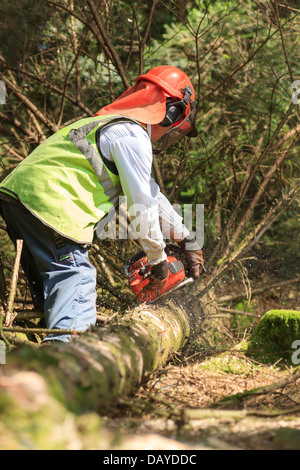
x=56, y=196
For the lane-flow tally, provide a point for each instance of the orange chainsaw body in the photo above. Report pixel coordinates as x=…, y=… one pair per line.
x=138, y=272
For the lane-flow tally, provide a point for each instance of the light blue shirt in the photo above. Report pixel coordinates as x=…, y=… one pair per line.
x=129, y=146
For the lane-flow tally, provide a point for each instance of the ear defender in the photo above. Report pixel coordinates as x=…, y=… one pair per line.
x=175, y=110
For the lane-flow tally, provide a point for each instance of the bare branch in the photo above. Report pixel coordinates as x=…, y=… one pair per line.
x=29, y=104
x=105, y=40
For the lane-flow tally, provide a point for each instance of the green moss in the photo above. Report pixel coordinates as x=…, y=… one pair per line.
x=228, y=363
x=274, y=335
x=46, y=427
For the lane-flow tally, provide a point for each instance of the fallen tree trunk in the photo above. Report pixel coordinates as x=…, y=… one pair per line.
x=107, y=363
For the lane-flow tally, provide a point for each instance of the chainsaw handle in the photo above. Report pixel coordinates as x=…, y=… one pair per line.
x=144, y=272
x=131, y=261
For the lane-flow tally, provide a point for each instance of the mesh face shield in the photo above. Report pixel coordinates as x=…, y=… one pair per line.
x=186, y=128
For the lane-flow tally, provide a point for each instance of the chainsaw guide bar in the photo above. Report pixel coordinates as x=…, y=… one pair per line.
x=183, y=283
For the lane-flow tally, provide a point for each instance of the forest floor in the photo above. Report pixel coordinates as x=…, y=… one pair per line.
x=216, y=397
x=183, y=407
x=192, y=404
x=207, y=397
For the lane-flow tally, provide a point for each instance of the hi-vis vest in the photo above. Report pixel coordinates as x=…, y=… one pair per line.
x=66, y=182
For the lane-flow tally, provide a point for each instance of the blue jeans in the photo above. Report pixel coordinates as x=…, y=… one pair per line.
x=61, y=278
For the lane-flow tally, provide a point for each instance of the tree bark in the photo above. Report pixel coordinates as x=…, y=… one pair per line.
x=107, y=363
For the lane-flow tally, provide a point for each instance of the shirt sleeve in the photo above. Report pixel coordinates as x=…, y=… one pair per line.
x=129, y=146
x=170, y=218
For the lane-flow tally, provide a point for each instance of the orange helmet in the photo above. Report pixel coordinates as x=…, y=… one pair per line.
x=180, y=103
x=178, y=86
x=171, y=79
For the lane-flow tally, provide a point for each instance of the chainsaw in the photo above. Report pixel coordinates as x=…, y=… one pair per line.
x=138, y=270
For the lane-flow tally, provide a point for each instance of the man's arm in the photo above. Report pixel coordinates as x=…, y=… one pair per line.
x=129, y=146
x=170, y=221
x=171, y=224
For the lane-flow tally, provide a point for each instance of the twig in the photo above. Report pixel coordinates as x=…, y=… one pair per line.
x=50, y=86
x=34, y=314
x=77, y=52
x=259, y=290
x=29, y=136
x=158, y=176
x=253, y=238
x=105, y=40
x=245, y=187
x=250, y=58
x=97, y=28
x=237, y=312
x=272, y=414
x=28, y=314
x=283, y=43
x=247, y=215
x=28, y=104
x=268, y=389
x=143, y=41
x=174, y=410
x=17, y=329
x=190, y=414
x=10, y=305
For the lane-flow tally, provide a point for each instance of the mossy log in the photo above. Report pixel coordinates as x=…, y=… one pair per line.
x=276, y=336
x=96, y=369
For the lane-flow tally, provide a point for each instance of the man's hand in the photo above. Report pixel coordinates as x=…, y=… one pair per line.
x=193, y=254
x=158, y=277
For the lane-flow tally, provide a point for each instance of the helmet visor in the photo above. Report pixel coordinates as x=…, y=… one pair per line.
x=186, y=128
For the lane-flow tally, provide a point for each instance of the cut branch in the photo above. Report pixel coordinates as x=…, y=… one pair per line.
x=268, y=389
x=10, y=305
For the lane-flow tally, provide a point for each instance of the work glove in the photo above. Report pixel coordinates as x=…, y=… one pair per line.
x=194, y=255
x=158, y=277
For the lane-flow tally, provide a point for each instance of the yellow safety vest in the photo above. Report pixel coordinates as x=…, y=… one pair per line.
x=66, y=182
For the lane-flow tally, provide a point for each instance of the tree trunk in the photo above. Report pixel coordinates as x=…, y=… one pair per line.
x=107, y=363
